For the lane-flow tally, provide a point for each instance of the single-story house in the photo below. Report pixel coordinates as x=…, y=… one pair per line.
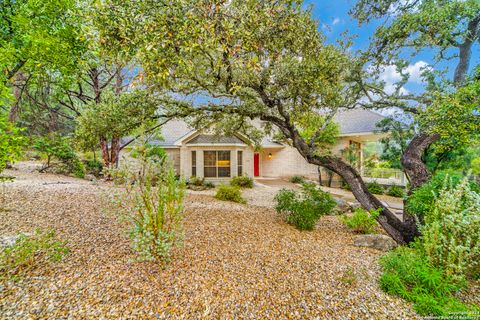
x=218, y=158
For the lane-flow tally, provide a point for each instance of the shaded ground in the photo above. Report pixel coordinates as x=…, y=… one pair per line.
x=238, y=261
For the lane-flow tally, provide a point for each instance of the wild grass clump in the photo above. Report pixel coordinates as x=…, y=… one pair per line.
x=361, y=221
x=30, y=252
x=297, y=179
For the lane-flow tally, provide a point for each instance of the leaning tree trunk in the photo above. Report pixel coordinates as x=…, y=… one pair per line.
x=412, y=162
x=402, y=232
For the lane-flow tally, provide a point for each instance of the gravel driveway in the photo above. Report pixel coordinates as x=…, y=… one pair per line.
x=238, y=262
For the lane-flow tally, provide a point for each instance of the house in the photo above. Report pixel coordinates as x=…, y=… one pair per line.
x=218, y=158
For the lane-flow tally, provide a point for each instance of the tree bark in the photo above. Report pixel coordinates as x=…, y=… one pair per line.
x=17, y=94
x=412, y=162
x=114, y=151
x=105, y=153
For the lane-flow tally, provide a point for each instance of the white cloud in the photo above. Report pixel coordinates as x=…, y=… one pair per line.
x=391, y=76
x=336, y=21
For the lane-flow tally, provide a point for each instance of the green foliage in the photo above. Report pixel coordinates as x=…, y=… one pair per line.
x=116, y=116
x=229, y=193
x=451, y=116
x=59, y=148
x=476, y=166
x=303, y=209
x=11, y=142
x=407, y=273
x=242, y=182
x=396, y=191
x=375, y=188
x=451, y=230
x=395, y=143
x=422, y=199
x=29, y=253
x=38, y=37
x=94, y=167
x=153, y=206
x=297, y=179
x=361, y=221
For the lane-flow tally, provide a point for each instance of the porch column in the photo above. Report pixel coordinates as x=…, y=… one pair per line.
x=200, y=172
x=233, y=163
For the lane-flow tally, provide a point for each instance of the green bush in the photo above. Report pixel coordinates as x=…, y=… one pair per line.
x=11, y=142
x=408, y=274
x=476, y=166
x=59, y=148
x=153, y=206
x=422, y=199
x=30, y=252
x=451, y=230
x=297, y=179
x=396, y=191
x=242, y=182
x=197, y=183
x=229, y=193
x=375, y=188
x=361, y=220
x=303, y=209
x=94, y=167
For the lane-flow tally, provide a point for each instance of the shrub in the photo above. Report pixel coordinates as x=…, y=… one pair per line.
x=407, y=273
x=59, y=148
x=229, y=193
x=451, y=230
x=297, y=179
x=375, y=188
x=11, y=142
x=396, y=191
x=153, y=207
x=242, y=182
x=94, y=167
x=197, y=183
x=422, y=199
x=30, y=252
x=303, y=209
x=361, y=220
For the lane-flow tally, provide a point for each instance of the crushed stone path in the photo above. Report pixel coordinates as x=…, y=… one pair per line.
x=238, y=262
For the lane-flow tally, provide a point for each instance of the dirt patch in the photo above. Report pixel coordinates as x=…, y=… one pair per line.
x=238, y=261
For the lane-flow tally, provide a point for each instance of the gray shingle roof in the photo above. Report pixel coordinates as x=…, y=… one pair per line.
x=208, y=139
x=350, y=121
x=357, y=121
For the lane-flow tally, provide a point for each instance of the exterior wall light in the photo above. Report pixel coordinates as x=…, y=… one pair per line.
x=270, y=155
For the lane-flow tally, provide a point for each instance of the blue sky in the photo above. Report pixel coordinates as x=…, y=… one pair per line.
x=334, y=19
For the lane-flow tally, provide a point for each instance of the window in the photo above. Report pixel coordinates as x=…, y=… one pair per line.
x=216, y=164
x=194, y=163
x=239, y=163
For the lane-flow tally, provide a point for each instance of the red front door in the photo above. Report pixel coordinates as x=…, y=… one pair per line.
x=256, y=164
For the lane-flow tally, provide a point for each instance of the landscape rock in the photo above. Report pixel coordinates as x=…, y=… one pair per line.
x=90, y=177
x=341, y=208
x=354, y=205
x=376, y=241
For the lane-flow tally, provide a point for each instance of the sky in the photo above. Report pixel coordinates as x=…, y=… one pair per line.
x=334, y=19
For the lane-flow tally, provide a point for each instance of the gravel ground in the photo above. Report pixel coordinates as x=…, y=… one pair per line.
x=238, y=262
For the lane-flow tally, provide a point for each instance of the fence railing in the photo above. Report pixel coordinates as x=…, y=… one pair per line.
x=385, y=176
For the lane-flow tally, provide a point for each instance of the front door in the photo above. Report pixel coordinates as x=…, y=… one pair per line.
x=256, y=165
